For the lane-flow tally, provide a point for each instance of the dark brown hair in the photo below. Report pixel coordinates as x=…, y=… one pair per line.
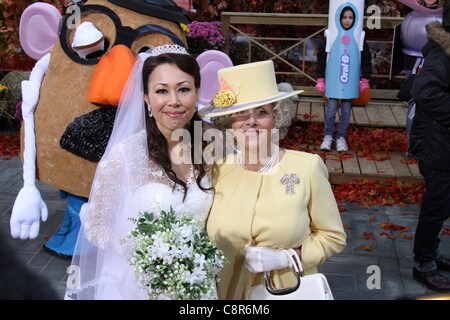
x=157, y=143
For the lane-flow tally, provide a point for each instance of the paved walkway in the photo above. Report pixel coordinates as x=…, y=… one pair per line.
x=384, y=273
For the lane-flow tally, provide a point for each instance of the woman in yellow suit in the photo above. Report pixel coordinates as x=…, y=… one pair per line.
x=267, y=199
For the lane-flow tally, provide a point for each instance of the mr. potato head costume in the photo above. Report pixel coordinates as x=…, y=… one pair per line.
x=69, y=101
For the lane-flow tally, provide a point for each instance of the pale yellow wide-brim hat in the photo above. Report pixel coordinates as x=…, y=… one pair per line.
x=244, y=87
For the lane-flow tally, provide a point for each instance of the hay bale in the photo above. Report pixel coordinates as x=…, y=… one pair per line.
x=8, y=102
x=13, y=81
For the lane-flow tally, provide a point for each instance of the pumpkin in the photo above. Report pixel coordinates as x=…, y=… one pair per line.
x=362, y=100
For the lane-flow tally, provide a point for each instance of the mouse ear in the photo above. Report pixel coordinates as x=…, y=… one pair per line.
x=210, y=62
x=39, y=28
x=416, y=6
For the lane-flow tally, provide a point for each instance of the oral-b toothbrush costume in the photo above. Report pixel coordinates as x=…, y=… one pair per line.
x=344, y=51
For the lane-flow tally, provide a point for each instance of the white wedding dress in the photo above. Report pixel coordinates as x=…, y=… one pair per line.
x=127, y=183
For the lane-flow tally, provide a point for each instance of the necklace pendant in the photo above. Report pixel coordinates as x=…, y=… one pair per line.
x=289, y=180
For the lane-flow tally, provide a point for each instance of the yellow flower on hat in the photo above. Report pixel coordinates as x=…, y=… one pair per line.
x=224, y=99
x=226, y=96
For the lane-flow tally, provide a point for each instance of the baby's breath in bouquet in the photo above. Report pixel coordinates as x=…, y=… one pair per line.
x=173, y=258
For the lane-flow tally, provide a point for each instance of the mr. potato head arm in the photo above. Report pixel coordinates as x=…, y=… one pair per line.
x=29, y=207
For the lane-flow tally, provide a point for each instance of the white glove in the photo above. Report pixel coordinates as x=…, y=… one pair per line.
x=261, y=259
x=28, y=209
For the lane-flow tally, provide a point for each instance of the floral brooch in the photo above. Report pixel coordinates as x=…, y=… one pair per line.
x=226, y=96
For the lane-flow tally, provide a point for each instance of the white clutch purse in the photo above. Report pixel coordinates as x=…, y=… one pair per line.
x=309, y=287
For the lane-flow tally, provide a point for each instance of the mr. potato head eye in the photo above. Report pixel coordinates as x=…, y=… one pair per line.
x=109, y=23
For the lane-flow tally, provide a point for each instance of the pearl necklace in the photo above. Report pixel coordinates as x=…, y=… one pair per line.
x=272, y=161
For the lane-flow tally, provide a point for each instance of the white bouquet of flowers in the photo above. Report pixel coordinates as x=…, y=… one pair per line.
x=173, y=258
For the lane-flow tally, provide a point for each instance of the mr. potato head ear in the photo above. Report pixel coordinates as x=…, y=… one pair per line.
x=39, y=28
x=210, y=62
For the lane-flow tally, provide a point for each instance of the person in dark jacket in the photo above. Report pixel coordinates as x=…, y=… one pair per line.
x=347, y=21
x=17, y=280
x=414, y=37
x=430, y=144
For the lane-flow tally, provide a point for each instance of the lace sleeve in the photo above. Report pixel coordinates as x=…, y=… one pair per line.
x=104, y=201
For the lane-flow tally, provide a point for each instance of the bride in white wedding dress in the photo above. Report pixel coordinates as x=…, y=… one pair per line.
x=138, y=173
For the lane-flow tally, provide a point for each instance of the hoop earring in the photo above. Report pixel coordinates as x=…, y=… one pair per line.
x=150, y=113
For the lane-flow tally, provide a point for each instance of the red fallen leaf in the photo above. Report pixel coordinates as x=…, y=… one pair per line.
x=409, y=161
x=368, y=141
x=385, y=225
x=342, y=208
x=365, y=248
x=381, y=158
x=368, y=235
x=387, y=235
x=377, y=133
x=307, y=116
x=405, y=236
x=373, y=219
x=446, y=231
x=368, y=193
x=338, y=157
x=394, y=227
x=346, y=156
x=346, y=226
x=9, y=144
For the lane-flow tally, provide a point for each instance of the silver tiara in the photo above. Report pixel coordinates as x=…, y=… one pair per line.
x=166, y=48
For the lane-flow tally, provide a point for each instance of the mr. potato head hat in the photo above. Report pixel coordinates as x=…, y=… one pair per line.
x=244, y=87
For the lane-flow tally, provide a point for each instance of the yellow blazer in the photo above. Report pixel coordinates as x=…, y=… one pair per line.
x=251, y=208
